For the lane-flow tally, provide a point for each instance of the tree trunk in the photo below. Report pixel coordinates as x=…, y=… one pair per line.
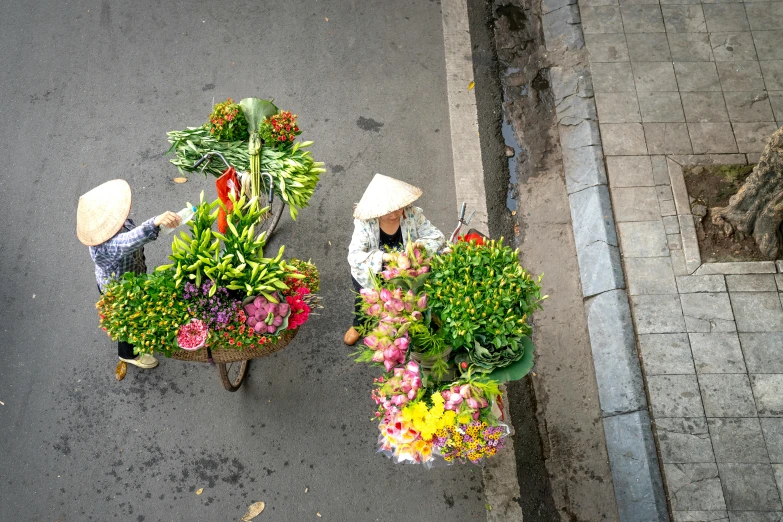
x=757, y=208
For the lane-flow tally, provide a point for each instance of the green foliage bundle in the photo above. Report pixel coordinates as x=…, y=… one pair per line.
x=235, y=260
x=144, y=310
x=227, y=122
x=483, y=298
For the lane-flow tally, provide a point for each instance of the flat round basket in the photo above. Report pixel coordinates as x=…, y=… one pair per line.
x=228, y=355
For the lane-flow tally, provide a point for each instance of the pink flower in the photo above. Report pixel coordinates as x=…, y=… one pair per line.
x=377, y=357
x=370, y=296
x=371, y=341
x=424, y=269
x=473, y=403
x=416, y=316
x=421, y=304
x=374, y=310
x=385, y=295
x=401, y=343
x=403, y=262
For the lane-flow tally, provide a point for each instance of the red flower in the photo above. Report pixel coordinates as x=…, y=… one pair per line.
x=230, y=341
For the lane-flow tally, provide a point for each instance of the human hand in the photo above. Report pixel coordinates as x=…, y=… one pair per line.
x=168, y=219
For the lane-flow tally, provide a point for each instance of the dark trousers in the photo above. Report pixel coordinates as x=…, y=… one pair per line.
x=357, y=305
x=124, y=349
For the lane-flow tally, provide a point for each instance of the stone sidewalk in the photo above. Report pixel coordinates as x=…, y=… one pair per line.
x=676, y=84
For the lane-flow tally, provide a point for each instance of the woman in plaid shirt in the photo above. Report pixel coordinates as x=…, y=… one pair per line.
x=116, y=243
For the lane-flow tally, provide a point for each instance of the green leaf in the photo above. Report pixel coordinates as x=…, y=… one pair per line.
x=256, y=110
x=517, y=370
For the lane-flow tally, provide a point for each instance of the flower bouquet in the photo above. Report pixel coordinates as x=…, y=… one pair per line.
x=254, y=136
x=447, y=331
x=220, y=292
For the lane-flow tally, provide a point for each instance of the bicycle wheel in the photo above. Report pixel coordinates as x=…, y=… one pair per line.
x=271, y=219
x=232, y=374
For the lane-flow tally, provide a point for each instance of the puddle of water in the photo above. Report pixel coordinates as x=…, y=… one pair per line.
x=511, y=141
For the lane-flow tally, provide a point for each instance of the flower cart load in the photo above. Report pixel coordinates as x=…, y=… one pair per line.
x=447, y=330
x=220, y=300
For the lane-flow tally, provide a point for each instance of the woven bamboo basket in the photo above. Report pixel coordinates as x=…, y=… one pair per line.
x=229, y=355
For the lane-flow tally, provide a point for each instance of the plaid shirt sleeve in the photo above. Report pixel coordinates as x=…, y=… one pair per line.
x=109, y=253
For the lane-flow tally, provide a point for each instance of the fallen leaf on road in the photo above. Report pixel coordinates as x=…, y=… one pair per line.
x=199, y=491
x=3, y=404
x=307, y=489
x=121, y=370
x=253, y=511
x=471, y=85
x=180, y=180
x=326, y=19
x=318, y=515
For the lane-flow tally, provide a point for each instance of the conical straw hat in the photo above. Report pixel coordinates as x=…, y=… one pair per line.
x=384, y=195
x=102, y=212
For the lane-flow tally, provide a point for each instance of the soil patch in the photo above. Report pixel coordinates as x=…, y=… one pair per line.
x=711, y=186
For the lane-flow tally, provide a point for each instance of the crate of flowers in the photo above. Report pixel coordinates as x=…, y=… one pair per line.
x=447, y=332
x=220, y=300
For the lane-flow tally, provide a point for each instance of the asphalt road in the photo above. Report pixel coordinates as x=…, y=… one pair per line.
x=89, y=91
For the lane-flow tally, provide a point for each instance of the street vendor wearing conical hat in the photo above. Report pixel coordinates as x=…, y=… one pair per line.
x=116, y=243
x=385, y=220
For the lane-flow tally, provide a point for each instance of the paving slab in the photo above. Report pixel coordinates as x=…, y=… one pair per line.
x=657, y=314
x=753, y=137
x=661, y=107
x=717, y=352
x=751, y=283
x=617, y=107
x=690, y=47
x=749, y=487
x=763, y=351
x=767, y=391
x=748, y=107
x=667, y=138
x=643, y=238
x=642, y=19
x=674, y=396
x=648, y=47
x=757, y=267
x=773, y=435
x=738, y=440
x=704, y=107
x=769, y=44
x=755, y=516
x=684, y=440
x=708, y=312
x=671, y=225
x=612, y=77
x=708, y=283
x=635, y=204
x=607, y=47
x=727, y=395
x=694, y=487
x=697, y=77
x=724, y=18
x=701, y=516
x=757, y=311
x=629, y=171
x=712, y=137
x=772, y=70
x=654, y=77
x=684, y=19
x=731, y=47
x=666, y=202
x=660, y=170
x=664, y=354
x=623, y=139
x=764, y=15
x=601, y=19
x=650, y=275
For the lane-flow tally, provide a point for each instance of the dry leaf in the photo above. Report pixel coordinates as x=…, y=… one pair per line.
x=318, y=515
x=180, y=180
x=326, y=19
x=121, y=370
x=513, y=212
x=199, y=491
x=471, y=85
x=3, y=404
x=307, y=489
x=253, y=511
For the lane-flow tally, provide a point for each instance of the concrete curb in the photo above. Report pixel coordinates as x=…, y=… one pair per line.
x=499, y=475
x=636, y=474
